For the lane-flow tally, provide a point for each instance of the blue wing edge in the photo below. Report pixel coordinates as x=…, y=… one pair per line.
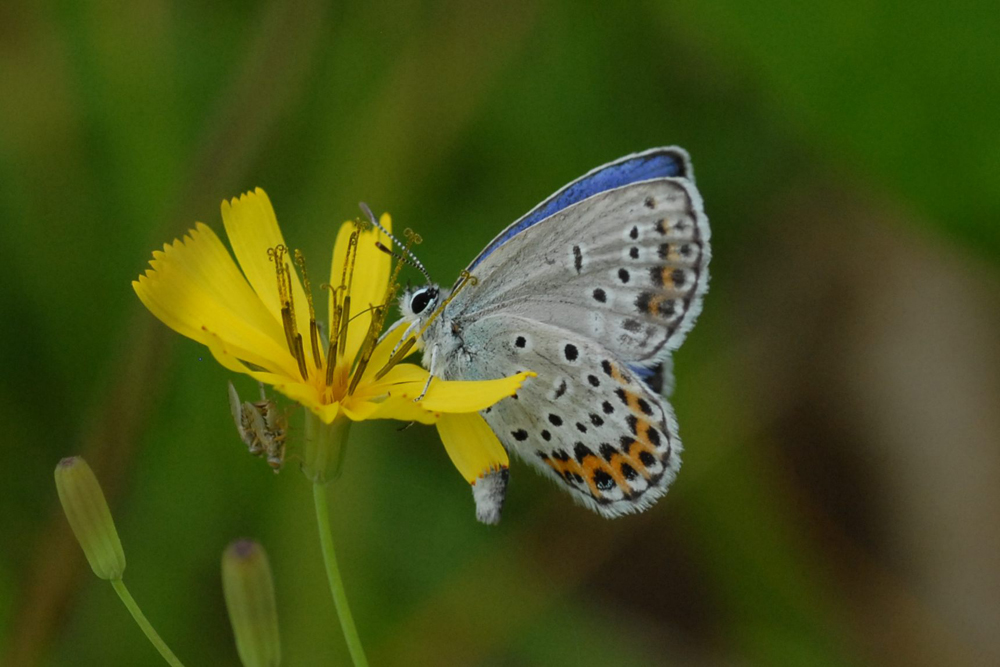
x=671, y=161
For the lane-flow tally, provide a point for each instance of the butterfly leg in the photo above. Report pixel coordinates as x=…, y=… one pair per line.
x=430, y=376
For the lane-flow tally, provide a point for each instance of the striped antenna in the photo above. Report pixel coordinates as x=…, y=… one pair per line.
x=409, y=258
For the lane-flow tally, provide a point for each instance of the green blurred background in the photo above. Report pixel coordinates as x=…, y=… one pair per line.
x=839, y=399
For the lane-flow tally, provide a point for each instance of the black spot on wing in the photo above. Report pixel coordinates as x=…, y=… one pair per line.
x=657, y=275
x=577, y=258
x=642, y=301
x=603, y=481
x=581, y=451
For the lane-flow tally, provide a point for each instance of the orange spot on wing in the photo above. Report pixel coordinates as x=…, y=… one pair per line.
x=667, y=278
x=586, y=470
x=617, y=374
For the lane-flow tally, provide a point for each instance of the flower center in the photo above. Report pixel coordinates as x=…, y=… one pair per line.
x=335, y=376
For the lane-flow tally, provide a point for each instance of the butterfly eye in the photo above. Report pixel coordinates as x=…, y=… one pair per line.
x=421, y=299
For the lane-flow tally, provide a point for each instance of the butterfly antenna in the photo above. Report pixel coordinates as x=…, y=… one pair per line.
x=408, y=258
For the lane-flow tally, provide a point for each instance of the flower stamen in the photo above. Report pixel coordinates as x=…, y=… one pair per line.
x=346, y=281
x=331, y=353
x=368, y=348
x=292, y=337
x=313, y=328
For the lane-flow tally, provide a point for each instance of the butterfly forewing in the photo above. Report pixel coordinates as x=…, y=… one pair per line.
x=670, y=161
x=627, y=267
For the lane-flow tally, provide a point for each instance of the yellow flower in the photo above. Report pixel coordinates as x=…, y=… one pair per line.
x=262, y=323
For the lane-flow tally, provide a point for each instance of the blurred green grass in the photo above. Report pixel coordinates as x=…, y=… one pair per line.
x=122, y=125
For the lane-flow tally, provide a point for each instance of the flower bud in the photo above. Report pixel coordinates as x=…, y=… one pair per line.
x=249, y=593
x=89, y=517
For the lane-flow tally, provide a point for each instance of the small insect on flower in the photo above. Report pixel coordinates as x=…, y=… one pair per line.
x=261, y=425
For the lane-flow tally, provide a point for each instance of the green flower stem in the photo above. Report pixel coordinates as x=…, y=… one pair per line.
x=143, y=623
x=324, y=448
x=333, y=576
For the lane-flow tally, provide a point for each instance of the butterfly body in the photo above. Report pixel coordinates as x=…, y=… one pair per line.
x=592, y=290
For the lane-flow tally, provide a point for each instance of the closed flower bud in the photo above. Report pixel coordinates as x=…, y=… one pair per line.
x=249, y=593
x=89, y=517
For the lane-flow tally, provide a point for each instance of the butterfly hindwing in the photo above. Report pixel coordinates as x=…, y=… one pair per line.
x=586, y=420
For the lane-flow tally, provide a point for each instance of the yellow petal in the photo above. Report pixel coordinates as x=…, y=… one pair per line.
x=371, y=277
x=232, y=359
x=300, y=392
x=193, y=283
x=326, y=413
x=471, y=444
x=466, y=396
x=389, y=408
x=253, y=230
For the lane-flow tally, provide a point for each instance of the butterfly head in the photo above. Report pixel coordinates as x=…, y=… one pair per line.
x=417, y=303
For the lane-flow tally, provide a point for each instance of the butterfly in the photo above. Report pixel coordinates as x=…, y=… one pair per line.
x=593, y=289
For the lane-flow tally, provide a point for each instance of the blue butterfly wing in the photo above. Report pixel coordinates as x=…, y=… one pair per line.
x=592, y=289
x=654, y=163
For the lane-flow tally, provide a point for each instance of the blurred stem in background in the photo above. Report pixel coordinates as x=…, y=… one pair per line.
x=144, y=624
x=323, y=456
x=90, y=518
